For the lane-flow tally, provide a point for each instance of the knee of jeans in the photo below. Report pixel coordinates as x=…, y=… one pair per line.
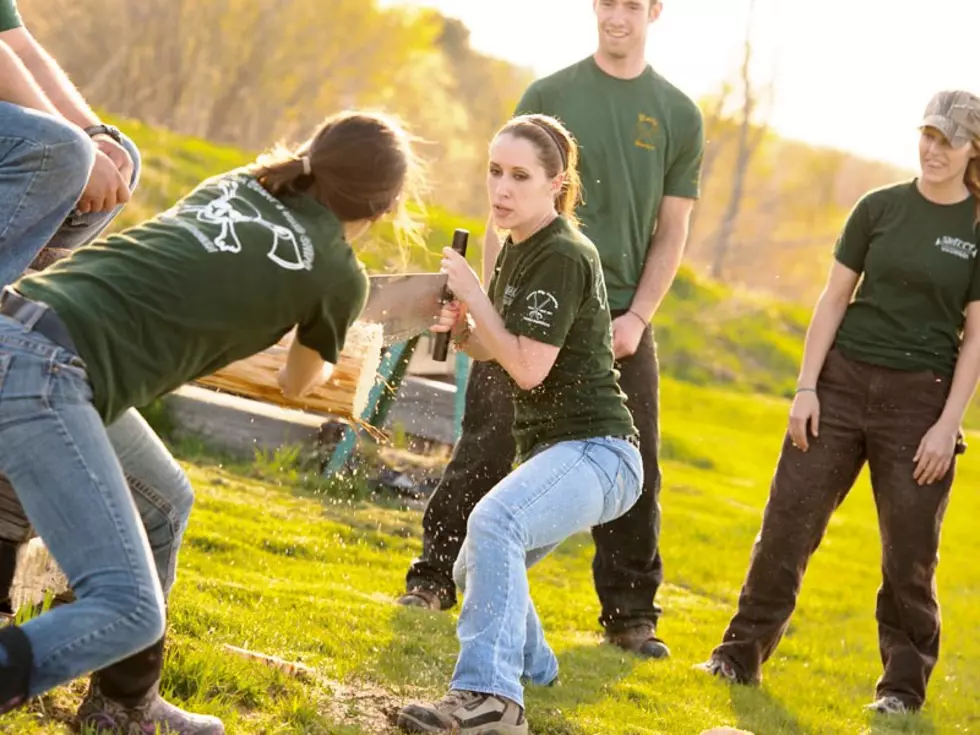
x=490, y=520
x=141, y=606
x=151, y=623
x=72, y=147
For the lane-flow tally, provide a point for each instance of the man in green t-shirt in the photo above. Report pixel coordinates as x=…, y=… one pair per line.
x=641, y=143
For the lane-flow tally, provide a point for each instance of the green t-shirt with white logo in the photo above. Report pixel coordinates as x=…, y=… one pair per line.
x=9, y=17
x=550, y=288
x=225, y=273
x=640, y=140
x=919, y=266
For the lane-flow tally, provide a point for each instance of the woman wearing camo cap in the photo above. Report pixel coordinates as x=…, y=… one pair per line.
x=887, y=374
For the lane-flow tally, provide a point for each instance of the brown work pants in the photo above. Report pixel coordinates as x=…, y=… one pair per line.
x=868, y=414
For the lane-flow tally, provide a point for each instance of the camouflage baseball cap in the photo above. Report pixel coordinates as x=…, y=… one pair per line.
x=955, y=114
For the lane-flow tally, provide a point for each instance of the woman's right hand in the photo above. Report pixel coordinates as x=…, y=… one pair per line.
x=805, y=410
x=449, y=315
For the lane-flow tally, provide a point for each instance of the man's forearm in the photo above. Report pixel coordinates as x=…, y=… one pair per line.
x=663, y=259
x=52, y=80
x=17, y=86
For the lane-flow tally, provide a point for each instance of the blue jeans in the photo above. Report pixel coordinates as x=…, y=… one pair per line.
x=568, y=487
x=44, y=167
x=58, y=455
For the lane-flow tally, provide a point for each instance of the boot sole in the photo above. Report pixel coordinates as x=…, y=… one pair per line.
x=409, y=724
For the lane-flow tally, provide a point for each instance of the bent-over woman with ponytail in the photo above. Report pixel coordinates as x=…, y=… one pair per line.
x=888, y=372
x=545, y=320
x=225, y=273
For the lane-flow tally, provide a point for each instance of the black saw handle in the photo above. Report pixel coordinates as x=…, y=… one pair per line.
x=440, y=345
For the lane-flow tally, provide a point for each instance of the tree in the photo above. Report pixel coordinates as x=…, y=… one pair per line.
x=750, y=135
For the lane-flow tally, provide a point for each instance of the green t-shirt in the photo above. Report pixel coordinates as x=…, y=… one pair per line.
x=550, y=288
x=9, y=17
x=919, y=266
x=641, y=139
x=225, y=273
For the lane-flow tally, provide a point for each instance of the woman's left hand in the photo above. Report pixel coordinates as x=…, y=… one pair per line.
x=935, y=453
x=463, y=281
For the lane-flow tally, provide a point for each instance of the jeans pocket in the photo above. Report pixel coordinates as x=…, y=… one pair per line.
x=69, y=379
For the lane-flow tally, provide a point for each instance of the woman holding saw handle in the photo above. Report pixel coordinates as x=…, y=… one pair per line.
x=546, y=321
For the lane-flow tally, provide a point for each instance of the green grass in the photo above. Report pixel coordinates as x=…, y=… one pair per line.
x=270, y=566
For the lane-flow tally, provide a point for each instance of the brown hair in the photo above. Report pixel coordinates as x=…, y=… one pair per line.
x=360, y=165
x=972, y=176
x=557, y=153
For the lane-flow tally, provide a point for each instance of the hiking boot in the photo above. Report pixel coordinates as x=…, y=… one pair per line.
x=641, y=640
x=420, y=598
x=100, y=714
x=465, y=713
x=722, y=669
x=889, y=704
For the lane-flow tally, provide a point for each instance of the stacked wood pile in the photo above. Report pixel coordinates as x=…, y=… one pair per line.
x=344, y=394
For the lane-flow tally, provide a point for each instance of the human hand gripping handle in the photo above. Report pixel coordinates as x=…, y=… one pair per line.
x=440, y=345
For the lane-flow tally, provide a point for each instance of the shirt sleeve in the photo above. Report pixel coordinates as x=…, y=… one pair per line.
x=325, y=328
x=852, y=244
x=9, y=17
x=683, y=178
x=530, y=101
x=547, y=299
x=974, y=294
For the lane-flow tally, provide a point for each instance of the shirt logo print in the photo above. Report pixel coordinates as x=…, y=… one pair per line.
x=955, y=246
x=541, y=306
x=229, y=212
x=646, y=132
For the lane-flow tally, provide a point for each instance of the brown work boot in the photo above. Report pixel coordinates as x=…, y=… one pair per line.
x=153, y=714
x=641, y=640
x=420, y=598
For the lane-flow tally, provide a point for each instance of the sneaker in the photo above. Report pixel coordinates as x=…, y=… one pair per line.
x=152, y=715
x=420, y=598
x=641, y=640
x=890, y=705
x=465, y=713
x=720, y=668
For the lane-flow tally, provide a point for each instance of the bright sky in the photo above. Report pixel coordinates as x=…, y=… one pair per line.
x=855, y=74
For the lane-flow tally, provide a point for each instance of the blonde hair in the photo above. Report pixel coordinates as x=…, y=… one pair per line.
x=972, y=176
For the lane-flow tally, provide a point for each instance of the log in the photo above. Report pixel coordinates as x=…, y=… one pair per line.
x=37, y=575
x=344, y=394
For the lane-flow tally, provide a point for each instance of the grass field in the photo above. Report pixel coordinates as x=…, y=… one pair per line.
x=271, y=566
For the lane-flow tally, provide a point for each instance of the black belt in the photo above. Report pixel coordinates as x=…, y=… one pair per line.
x=36, y=316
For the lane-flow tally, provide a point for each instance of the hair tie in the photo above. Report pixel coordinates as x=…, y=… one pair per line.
x=307, y=166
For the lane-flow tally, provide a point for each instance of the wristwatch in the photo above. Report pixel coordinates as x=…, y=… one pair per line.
x=111, y=130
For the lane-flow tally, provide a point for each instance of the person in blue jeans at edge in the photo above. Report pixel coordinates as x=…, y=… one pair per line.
x=545, y=319
x=64, y=177
x=229, y=270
